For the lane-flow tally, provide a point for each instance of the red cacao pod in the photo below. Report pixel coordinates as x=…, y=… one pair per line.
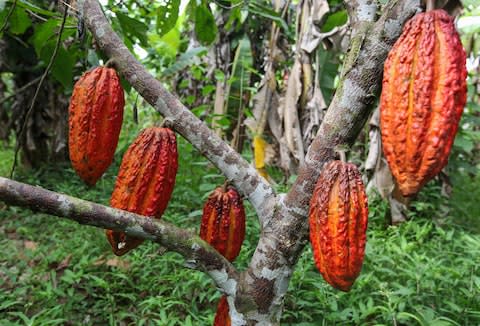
x=223, y=222
x=145, y=181
x=95, y=120
x=338, y=223
x=423, y=95
x=222, y=317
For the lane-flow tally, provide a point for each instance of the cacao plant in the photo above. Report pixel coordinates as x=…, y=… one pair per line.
x=223, y=221
x=423, y=96
x=145, y=181
x=222, y=317
x=338, y=223
x=95, y=120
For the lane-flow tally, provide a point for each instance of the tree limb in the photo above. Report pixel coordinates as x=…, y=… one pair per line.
x=233, y=166
x=198, y=254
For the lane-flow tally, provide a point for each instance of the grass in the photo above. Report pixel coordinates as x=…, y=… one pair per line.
x=57, y=272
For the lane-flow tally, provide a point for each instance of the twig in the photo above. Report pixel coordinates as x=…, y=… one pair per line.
x=8, y=16
x=37, y=16
x=37, y=91
x=69, y=6
x=20, y=90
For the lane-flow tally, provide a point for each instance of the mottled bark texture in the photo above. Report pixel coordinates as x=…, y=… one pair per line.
x=256, y=295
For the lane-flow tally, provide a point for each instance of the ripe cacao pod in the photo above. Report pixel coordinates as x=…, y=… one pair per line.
x=338, y=223
x=222, y=317
x=95, y=120
x=423, y=95
x=145, y=181
x=223, y=222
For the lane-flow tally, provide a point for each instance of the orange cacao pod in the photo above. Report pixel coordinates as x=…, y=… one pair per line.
x=145, y=181
x=222, y=317
x=338, y=223
x=95, y=120
x=423, y=95
x=223, y=222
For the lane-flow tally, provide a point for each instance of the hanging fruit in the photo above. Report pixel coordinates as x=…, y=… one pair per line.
x=423, y=96
x=95, y=120
x=223, y=222
x=338, y=223
x=145, y=181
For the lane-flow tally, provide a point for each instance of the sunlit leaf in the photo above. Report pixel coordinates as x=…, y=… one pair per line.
x=167, y=16
x=133, y=28
x=205, y=27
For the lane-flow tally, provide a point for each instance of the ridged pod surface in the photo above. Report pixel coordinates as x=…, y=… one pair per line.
x=222, y=317
x=338, y=223
x=423, y=95
x=95, y=120
x=223, y=222
x=145, y=181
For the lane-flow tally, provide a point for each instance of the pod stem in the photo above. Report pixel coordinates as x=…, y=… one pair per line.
x=110, y=63
x=166, y=123
x=225, y=186
x=430, y=5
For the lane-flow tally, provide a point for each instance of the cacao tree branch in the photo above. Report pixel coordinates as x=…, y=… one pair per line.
x=197, y=253
x=233, y=166
x=286, y=234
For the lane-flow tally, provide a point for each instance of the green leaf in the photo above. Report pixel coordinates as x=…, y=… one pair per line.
x=43, y=34
x=464, y=143
x=133, y=28
x=167, y=16
x=336, y=19
x=185, y=60
x=19, y=21
x=62, y=69
x=92, y=58
x=240, y=76
x=35, y=9
x=267, y=12
x=327, y=61
x=205, y=27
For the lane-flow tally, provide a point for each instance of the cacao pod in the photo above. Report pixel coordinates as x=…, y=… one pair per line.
x=223, y=222
x=423, y=95
x=222, y=317
x=338, y=223
x=145, y=181
x=95, y=120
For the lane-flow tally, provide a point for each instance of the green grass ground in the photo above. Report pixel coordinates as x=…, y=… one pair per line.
x=57, y=272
